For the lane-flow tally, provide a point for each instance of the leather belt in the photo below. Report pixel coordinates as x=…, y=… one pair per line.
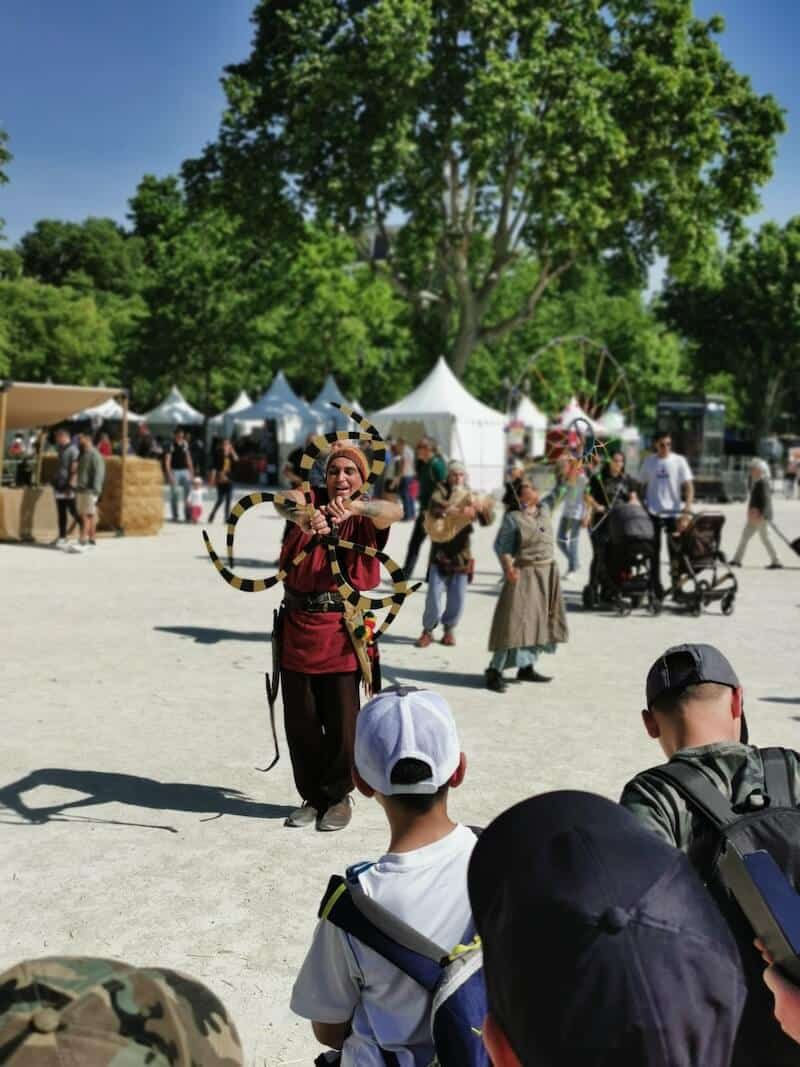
x=314, y=602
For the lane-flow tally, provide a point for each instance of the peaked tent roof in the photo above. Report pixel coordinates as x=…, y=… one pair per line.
x=175, y=410
x=528, y=413
x=574, y=411
x=279, y=401
x=110, y=410
x=442, y=393
x=612, y=418
x=329, y=391
x=241, y=402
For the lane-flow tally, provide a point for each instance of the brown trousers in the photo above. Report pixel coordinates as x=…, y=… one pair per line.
x=319, y=714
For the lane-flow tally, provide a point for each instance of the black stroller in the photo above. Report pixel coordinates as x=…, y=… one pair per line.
x=698, y=568
x=622, y=571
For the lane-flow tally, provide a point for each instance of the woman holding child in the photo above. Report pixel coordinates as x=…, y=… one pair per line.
x=529, y=616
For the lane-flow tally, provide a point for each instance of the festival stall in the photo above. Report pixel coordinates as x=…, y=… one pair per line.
x=174, y=410
x=109, y=411
x=285, y=421
x=464, y=428
x=131, y=501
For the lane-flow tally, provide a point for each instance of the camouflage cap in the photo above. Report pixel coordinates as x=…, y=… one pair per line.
x=102, y=1013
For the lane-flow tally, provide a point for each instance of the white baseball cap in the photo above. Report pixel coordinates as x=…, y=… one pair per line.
x=400, y=723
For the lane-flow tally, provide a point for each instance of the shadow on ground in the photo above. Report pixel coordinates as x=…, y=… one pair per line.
x=211, y=635
x=103, y=787
x=393, y=675
x=780, y=700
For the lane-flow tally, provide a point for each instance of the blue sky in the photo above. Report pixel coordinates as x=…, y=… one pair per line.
x=96, y=93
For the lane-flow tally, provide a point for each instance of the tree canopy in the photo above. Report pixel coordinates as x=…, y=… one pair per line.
x=95, y=254
x=485, y=131
x=744, y=320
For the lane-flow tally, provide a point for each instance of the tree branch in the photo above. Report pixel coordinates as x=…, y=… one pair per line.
x=490, y=334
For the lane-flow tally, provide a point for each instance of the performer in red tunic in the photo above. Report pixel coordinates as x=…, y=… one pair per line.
x=320, y=672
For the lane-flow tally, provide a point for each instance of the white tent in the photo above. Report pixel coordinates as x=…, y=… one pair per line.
x=535, y=423
x=108, y=411
x=222, y=424
x=465, y=428
x=174, y=410
x=574, y=411
x=613, y=419
x=330, y=417
x=292, y=416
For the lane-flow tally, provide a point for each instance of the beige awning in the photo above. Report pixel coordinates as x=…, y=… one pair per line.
x=28, y=405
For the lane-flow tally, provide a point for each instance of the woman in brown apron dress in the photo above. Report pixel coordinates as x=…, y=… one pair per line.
x=529, y=616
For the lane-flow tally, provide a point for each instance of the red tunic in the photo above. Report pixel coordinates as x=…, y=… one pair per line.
x=316, y=642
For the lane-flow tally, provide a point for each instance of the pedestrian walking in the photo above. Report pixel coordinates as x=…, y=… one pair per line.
x=759, y=516
x=575, y=485
x=91, y=475
x=431, y=469
x=222, y=477
x=64, y=482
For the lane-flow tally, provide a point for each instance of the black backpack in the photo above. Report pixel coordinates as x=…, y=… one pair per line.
x=767, y=821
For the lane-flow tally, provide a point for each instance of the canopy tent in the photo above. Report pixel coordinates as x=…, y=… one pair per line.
x=535, y=423
x=221, y=425
x=465, y=428
x=331, y=418
x=574, y=411
x=109, y=411
x=292, y=417
x=174, y=410
x=613, y=419
x=24, y=405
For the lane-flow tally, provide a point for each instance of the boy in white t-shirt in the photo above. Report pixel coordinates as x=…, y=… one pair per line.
x=667, y=488
x=407, y=756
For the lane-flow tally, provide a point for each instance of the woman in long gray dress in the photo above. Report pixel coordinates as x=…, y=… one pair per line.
x=529, y=616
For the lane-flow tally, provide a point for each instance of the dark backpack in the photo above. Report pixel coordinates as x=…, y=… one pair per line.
x=768, y=821
x=454, y=979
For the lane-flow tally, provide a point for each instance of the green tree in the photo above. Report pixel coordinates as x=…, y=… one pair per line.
x=564, y=129
x=95, y=254
x=332, y=315
x=5, y=159
x=56, y=333
x=158, y=207
x=745, y=321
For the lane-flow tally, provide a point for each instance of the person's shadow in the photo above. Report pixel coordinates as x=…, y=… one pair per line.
x=104, y=787
x=212, y=635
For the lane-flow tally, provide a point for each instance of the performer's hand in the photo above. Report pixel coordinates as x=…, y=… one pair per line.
x=512, y=575
x=339, y=509
x=319, y=525
x=469, y=512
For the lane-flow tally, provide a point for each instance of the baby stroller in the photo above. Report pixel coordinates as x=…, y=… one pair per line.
x=622, y=570
x=700, y=573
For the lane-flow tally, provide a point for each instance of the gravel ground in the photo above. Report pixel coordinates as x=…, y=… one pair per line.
x=135, y=720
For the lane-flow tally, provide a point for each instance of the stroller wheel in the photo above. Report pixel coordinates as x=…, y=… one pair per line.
x=589, y=598
x=697, y=607
x=654, y=605
x=624, y=607
x=728, y=604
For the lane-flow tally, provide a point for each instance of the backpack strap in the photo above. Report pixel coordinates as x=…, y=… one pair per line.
x=358, y=915
x=695, y=788
x=776, y=777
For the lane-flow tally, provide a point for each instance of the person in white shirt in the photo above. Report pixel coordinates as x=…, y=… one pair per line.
x=407, y=755
x=667, y=488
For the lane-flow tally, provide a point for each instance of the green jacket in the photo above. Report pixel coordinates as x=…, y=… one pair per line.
x=91, y=472
x=735, y=769
x=429, y=475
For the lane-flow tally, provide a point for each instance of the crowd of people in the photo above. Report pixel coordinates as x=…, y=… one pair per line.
x=645, y=964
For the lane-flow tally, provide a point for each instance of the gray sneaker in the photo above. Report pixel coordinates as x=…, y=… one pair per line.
x=305, y=815
x=337, y=816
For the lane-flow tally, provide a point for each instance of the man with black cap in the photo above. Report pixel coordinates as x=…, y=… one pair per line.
x=600, y=944
x=695, y=709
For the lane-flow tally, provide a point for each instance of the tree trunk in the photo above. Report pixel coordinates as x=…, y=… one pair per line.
x=464, y=344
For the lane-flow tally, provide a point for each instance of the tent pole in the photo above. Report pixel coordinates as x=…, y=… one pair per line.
x=122, y=458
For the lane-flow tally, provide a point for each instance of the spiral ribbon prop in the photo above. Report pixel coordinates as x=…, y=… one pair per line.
x=359, y=601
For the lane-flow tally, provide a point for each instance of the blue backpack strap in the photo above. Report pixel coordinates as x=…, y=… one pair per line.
x=339, y=908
